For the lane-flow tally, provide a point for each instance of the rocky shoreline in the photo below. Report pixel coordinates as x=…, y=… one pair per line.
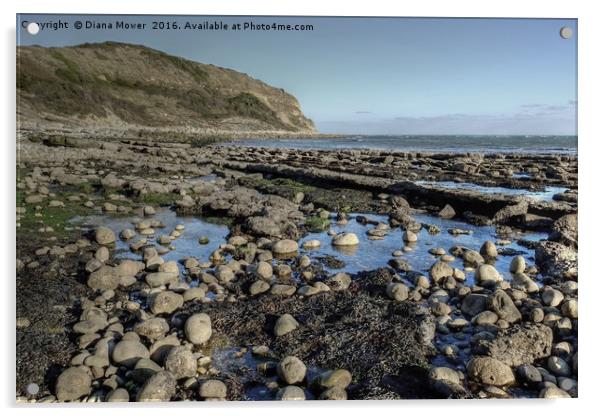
x=102, y=315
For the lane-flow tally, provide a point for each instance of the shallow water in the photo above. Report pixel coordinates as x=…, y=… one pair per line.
x=368, y=255
x=242, y=364
x=546, y=195
x=187, y=245
x=428, y=143
x=372, y=254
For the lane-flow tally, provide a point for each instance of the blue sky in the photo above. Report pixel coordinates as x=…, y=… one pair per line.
x=383, y=75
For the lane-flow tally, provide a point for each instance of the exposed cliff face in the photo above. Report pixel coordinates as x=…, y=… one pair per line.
x=117, y=85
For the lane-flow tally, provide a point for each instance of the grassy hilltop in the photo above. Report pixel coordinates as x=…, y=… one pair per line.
x=123, y=86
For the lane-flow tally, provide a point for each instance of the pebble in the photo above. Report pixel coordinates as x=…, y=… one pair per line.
x=528, y=374
x=264, y=270
x=339, y=281
x=570, y=309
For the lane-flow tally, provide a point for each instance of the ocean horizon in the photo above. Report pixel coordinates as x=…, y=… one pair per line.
x=541, y=144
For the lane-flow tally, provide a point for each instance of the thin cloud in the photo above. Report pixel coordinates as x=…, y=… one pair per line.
x=534, y=122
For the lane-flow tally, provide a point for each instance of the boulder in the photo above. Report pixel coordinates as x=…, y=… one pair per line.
x=285, y=247
x=166, y=302
x=510, y=212
x=556, y=260
x=488, y=250
x=345, y=239
x=213, y=389
x=161, y=387
x=474, y=303
x=517, y=345
x=447, y=212
x=73, y=383
x=153, y=328
x=104, y=278
x=291, y=370
x=500, y=303
x=290, y=393
x=486, y=274
x=285, y=324
x=565, y=230
x=339, y=378
x=128, y=352
x=104, y=236
x=198, y=328
x=440, y=270
x=489, y=371
x=181, y=363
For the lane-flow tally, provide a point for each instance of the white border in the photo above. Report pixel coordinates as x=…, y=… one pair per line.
x=590, y=69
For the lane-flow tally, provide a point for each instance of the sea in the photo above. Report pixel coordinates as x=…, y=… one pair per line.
x=428, y=143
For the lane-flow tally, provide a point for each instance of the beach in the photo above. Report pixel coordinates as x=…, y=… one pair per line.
x=343, y=268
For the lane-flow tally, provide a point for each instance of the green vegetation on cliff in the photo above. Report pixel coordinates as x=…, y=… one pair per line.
x=145, y=87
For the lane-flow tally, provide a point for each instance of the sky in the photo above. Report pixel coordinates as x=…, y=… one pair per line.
x=378, y=75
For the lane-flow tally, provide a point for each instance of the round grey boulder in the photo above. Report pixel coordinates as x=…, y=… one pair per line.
x=104, y=278
x=290, y=393
x=285, y=324
x=128, y=352
x=214, y=389
x=72, y=384
x=118, y=395
x=166, y=302
x=198, y=328
x=489, y=371
x=345, y=239
x=339, y=378
x=153, y=328
x=285, y=247
x=291, y=370
x=104, y=236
